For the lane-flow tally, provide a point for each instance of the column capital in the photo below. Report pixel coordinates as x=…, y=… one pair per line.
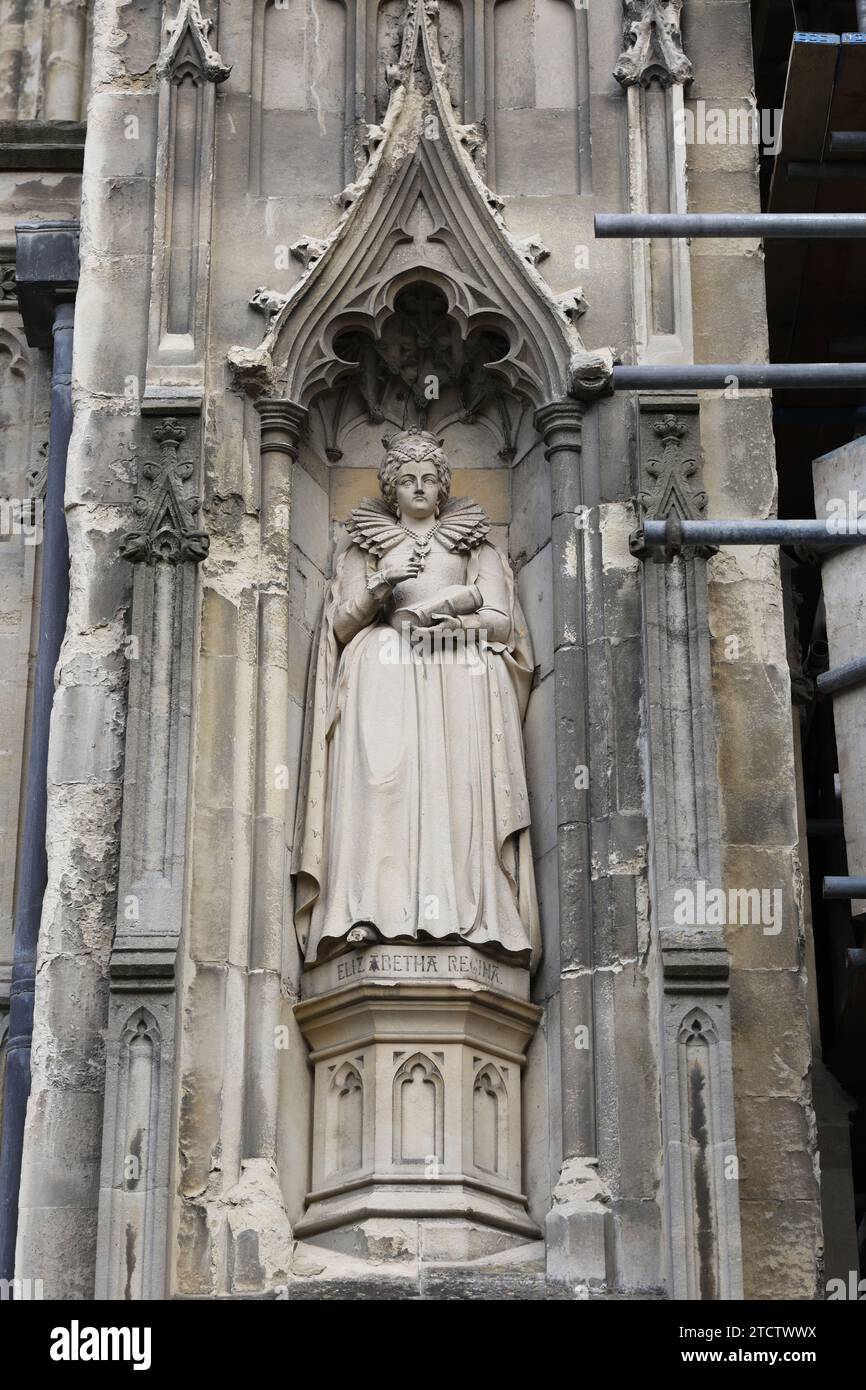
x=283, y=424
x=565, y=415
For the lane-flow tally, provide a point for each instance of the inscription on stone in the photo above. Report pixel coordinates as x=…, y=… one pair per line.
x=447, y=967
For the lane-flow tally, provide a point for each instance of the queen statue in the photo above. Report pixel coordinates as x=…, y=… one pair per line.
x=413, y=814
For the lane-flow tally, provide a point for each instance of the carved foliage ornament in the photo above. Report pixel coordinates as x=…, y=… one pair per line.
x=672, y=495
x=653, y=45
x=188, y=51
x=168, y=529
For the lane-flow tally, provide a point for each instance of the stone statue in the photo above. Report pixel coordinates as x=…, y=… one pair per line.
x=413, y=814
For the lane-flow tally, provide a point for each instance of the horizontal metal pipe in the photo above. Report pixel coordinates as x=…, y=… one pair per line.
x=848, y=142
x=744, y=375
x=829, y=534
x=834, y=887
x=841, y=677
x=810, y=171
x=731, y=224
x=825, y=829
x=809, y=415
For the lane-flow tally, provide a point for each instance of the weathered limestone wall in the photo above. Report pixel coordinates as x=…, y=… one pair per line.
x=776, y=1140
x=58, y=1205
x=25, y=375
x=239, y=1150
x=44, y=59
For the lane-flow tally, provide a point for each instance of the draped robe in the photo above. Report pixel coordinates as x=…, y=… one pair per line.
x=413, y=812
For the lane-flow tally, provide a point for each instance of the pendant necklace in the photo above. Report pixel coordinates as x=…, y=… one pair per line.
x=422, y=543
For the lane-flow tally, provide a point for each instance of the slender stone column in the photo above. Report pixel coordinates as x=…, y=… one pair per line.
x=136, y=1137
x=282, y=424
x=33, y=865
x=64, y=68
x=575, y=1224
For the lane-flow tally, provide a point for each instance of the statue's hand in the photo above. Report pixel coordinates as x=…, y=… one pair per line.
x=448, y=622
x=396, y=574
x=445, y=620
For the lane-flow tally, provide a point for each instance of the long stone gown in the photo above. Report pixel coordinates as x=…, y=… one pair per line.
x=413, y=812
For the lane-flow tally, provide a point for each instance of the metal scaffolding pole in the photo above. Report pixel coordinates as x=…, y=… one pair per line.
x=836, y=887
x=848, y=142
x=742, y=375
x=842, y=677
x=812, y=171
x=673, y=533
x=836, y=225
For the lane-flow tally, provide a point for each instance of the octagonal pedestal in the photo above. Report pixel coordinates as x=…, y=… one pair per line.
x=418, y=1054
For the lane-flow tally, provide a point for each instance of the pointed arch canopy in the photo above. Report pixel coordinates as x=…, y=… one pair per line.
x=420, y=211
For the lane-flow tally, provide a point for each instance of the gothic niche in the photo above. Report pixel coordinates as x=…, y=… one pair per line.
x=420, y=371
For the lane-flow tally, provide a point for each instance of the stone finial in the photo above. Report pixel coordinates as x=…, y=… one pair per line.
x=188, y=51
x=653, y=45
x=268, y=302
x=168, y=531
x=308, y=250
x=532, y=249
x=572, y=303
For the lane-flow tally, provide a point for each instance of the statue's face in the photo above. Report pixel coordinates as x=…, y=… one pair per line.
x=417, y=490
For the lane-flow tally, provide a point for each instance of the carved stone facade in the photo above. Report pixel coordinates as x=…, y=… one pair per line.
x=304, y=228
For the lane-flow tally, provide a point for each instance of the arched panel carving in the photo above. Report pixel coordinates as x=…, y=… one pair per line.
x=139, y=1058
x=344, y=1144
x=418, y=1112
x=699, y=1081
x=490, y=1121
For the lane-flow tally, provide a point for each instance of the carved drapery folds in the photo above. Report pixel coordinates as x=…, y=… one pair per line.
x=653, y=49
x=168, y=531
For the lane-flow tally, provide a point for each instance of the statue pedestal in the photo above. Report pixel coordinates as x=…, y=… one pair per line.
x=417, y=1053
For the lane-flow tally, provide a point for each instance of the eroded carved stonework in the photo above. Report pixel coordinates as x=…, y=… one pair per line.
x=672, y=495
x=169, y=530
x=653, y=49
x=188, y=51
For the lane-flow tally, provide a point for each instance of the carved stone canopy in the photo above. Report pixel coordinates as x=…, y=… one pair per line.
x=421, y=236
x=653, y=45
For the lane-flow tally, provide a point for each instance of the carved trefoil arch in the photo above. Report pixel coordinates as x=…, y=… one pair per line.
x=135, y=1155
x=490, y=1121
x=344, y=1139
x=418, y=1113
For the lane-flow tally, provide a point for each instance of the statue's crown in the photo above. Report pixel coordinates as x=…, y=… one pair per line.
x=412, y=443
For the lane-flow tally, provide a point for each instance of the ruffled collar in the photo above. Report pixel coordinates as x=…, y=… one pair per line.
x=463, y=524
